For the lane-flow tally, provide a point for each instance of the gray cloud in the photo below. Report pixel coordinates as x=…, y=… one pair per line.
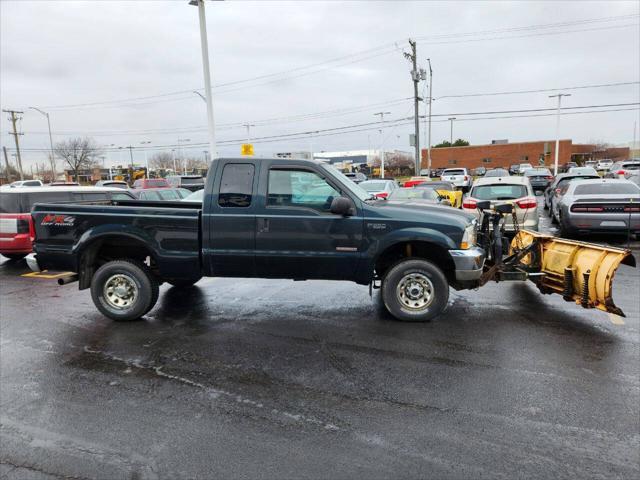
x=63, y=52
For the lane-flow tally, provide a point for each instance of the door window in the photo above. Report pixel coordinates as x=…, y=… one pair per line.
x=236, y=185
x=299, y=188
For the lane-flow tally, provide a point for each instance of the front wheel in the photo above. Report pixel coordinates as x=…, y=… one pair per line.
x=124, y=290
x=415, y=290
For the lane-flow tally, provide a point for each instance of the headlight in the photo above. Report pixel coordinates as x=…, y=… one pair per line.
x=469, y=236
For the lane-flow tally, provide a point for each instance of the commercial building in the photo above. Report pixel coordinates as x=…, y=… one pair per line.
x=502, y=154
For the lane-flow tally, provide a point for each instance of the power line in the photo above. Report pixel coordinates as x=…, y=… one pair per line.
x=347, y=129
x=365, y=54
x=517, y=92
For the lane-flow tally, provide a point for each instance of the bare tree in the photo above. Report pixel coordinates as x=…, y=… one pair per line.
x=193, y=163
x=77, y=152
x=161, y=160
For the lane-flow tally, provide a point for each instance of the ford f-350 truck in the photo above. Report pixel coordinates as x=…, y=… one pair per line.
x=269, y=218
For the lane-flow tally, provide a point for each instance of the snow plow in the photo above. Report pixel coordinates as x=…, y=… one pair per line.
x=579, y=271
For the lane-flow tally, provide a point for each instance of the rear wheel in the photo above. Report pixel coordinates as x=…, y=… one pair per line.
x=124, y=290
x=415, y=290
x=565, y=230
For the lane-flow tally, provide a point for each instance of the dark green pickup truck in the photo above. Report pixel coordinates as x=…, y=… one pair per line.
x=268, y=218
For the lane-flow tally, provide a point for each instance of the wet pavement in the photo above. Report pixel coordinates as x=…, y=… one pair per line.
x=241, y=378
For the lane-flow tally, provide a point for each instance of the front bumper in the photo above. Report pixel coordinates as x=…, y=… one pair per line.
x=469, y=263
x=608, y=222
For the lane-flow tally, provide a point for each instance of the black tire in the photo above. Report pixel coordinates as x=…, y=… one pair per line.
x=565, y=231
x=397, y=305
x=15, y=256
x=136, y=277
x=184, y=282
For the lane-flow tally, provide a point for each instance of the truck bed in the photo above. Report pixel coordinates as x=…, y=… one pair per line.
x=170, y=230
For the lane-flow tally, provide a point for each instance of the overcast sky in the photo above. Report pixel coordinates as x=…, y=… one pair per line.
x=341, y=60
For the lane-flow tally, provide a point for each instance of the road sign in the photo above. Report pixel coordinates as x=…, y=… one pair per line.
x=247, y=149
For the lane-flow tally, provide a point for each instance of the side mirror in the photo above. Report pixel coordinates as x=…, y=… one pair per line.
x=342, y=206
x=483, y=205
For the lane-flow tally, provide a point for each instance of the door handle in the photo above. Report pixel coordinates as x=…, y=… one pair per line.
x=263, y=225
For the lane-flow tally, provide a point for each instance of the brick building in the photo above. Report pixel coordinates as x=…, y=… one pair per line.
x=501, y=154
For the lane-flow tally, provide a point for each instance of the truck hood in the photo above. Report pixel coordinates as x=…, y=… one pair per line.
x=418, y=211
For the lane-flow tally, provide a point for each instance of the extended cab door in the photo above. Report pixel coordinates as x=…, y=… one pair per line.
x=296, y=234
x=230, y=219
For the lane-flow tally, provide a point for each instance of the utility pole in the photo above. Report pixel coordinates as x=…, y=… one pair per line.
x=15, y=134
x=415, y=76
x=382, y=114
x=130, y=155
x=6, y=162
x=451, y=119
x=555, y=163
x=430, y=102
x=53, y=158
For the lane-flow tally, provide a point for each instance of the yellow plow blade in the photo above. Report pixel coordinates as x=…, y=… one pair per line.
x=580, y=271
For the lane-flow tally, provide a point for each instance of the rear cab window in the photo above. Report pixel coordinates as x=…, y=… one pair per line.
x=236, y=185
x=454, y=171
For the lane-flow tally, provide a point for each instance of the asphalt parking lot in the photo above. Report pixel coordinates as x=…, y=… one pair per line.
x=280, y=379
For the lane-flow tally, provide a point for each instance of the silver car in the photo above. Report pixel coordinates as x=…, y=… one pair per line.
x=604, y=205
x=380, y=188
x=515, y=190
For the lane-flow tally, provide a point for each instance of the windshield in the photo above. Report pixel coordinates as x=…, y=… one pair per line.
x=373, y=186
x=534, y=172
x=354, y=188
x=413, y=193
x=454, y=172
x=436, y=185
x=617, y=188
x=583, y=170
x=564, y=181
x=156, y=182
x=497, y=173
x=196, y=196
x=499, y=192
x=191, y=180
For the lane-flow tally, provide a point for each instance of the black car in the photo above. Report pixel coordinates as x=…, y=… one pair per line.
x=539, y=178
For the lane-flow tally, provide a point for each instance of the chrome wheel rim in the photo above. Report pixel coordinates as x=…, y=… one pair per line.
x=120, y=291
x=415, y=291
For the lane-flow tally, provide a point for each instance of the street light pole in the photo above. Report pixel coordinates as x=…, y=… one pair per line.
x=430, y=102
x=382, y=114
x=557, y=149
x=146, y=158
x=53, y=158
x=207, y=74
x=451, y=119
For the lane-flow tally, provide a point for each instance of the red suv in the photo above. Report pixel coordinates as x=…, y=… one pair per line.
x=16, y=225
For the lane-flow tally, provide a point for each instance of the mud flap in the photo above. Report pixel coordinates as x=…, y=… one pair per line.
x=580, y=271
